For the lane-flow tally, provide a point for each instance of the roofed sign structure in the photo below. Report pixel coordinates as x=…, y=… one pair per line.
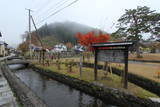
x=115, y=52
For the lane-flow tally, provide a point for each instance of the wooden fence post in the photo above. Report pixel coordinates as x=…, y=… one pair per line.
x=95, y=65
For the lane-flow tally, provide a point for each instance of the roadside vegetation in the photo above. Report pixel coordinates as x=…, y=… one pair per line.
x=147, y=70
x=111, y=80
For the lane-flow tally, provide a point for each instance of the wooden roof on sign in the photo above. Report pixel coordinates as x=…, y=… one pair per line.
x=113, y=44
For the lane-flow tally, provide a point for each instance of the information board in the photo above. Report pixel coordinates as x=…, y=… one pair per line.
x=116, y=56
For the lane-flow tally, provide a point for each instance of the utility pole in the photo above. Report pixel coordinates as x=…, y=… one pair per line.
x=38, y=36
x=42, y=52
x=29, y=30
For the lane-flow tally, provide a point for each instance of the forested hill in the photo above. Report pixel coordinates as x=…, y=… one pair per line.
x=62, y=32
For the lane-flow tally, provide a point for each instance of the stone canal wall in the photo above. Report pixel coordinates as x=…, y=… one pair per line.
x=143, y=82
x=110, y=95
x=26, y=97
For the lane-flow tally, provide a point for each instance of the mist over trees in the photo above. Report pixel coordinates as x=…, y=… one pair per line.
x=63, y=32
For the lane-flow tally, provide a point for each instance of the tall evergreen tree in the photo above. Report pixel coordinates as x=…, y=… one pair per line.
x=136, y=22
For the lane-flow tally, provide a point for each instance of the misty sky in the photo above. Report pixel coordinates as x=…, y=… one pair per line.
x=95, y=13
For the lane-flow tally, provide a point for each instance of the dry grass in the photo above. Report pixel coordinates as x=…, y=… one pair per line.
x=148, y=56
x=147, y=71
x=111, y=80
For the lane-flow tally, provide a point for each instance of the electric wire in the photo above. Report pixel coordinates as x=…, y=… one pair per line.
x=56, y=6
x=45, y=4
x=58, y=11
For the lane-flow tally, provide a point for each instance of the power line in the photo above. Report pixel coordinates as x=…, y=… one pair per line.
x=112, y=25
x=56, y=6
x=57, y=11
x=44, y=5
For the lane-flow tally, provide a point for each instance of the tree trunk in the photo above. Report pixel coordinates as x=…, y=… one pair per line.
x=138, y=50
x=137, y=38
x=40, y=56
x=43, y=56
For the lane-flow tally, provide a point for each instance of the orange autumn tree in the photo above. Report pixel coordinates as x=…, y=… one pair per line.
x=88, y=39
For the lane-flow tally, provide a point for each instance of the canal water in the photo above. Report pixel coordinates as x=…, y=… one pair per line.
x=56, y=94
x=16, y=66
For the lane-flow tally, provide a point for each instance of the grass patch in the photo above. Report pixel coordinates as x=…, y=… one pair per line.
x=149, y=71
x=147, y=56
x=111, y=80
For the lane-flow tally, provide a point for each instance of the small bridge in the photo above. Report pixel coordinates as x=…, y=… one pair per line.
x=23, y=62
x=14, y=57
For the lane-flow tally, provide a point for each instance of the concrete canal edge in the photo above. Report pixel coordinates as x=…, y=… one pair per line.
x=149, y=61
x=143, y=82
x=25, y=95
x=110, y=95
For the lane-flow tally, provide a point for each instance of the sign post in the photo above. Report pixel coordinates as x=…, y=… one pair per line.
x=95, y=64
x=81, y=65
x=115, y=52
x=126, y=68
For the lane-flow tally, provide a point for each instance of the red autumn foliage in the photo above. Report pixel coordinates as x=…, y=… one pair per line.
x=88, y=39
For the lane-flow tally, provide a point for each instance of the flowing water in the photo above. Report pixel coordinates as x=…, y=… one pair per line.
x=16, y=66
x=56, y=94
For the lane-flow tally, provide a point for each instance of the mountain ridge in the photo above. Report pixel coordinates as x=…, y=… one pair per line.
x=63, y=32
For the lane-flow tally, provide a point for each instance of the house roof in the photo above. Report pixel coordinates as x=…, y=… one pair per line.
x=113, y=44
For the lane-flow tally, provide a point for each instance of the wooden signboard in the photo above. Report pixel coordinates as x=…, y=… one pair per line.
x=115, y=56
x=117, y=52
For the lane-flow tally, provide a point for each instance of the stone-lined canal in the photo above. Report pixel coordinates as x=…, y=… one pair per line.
x=56, y=94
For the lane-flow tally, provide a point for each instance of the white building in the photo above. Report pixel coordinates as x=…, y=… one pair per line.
x=59, y=48
x=3, y=48
x=78, y=48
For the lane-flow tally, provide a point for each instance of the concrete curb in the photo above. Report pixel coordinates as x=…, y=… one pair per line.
x=26, y=97
x=151, y=61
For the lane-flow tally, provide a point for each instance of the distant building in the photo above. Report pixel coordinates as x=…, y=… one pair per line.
x=151, y=46
x=78, y=48
x=59, y=48
x=3, y=48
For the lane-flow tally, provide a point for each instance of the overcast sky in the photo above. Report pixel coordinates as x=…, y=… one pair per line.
x=96, y=13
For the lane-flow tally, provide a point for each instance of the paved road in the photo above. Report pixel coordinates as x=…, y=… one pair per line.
x=145, y=63
x=7, y=98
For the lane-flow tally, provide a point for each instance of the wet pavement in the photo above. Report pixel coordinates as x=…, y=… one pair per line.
x=7, y=98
